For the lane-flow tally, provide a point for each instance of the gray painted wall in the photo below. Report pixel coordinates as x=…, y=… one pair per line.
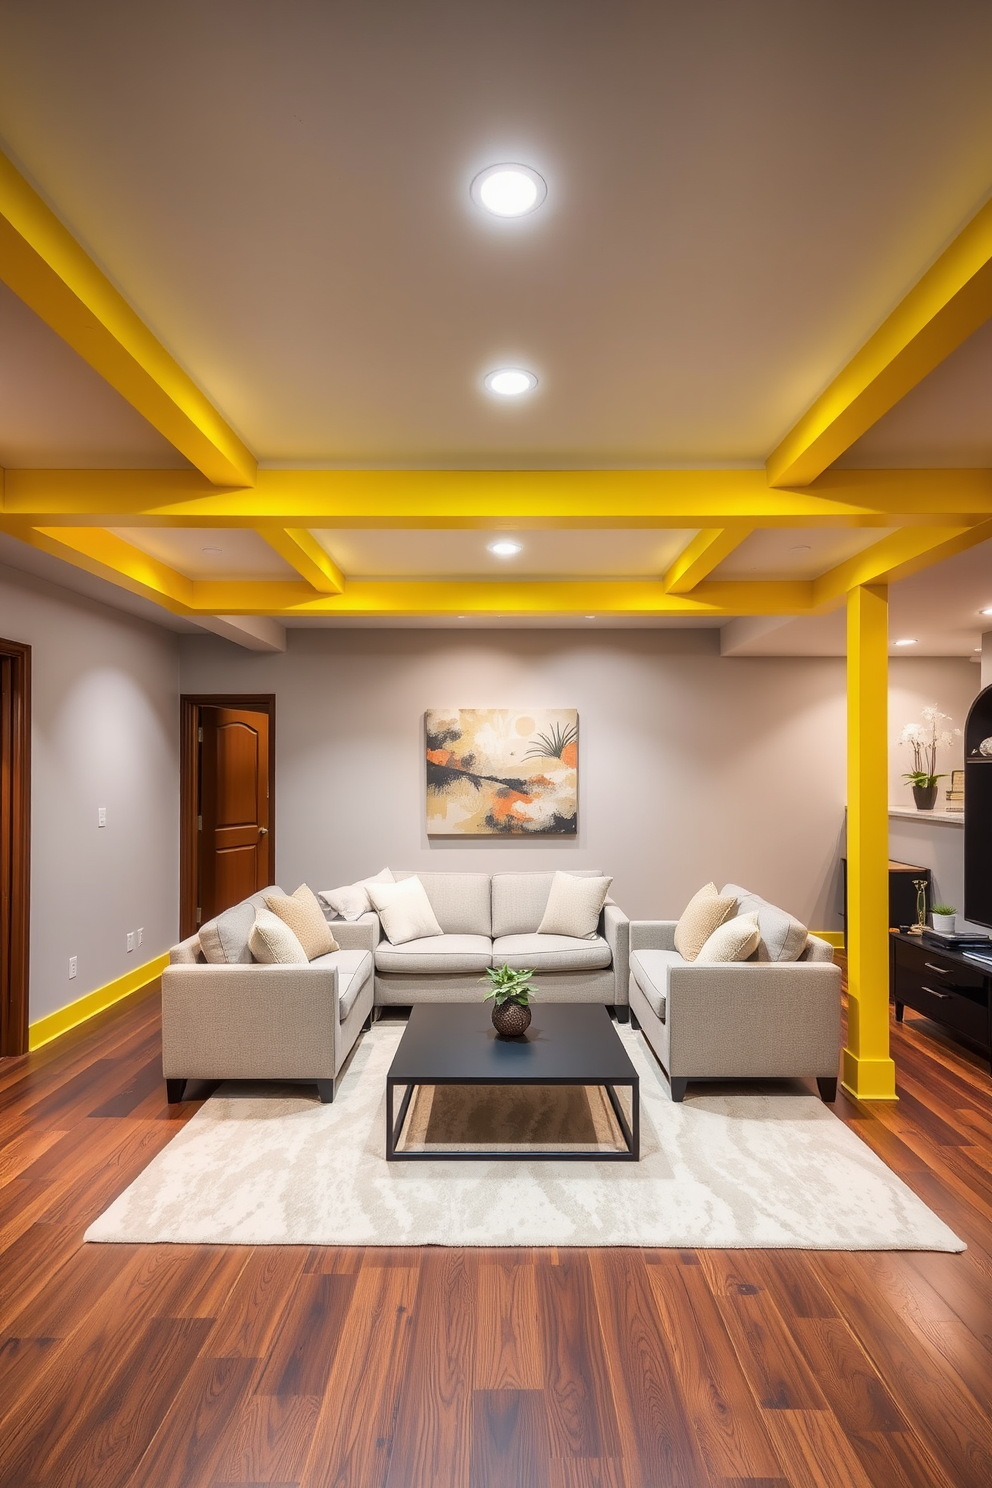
x=691, y=766
x=105, y=733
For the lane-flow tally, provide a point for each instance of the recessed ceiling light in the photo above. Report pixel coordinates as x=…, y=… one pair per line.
x=800, y=548
x=907, y=641
x=211, y=550
x=504, y=548
x=590, y=617
x=985, y=612
x=509, y=190
x=510, y=382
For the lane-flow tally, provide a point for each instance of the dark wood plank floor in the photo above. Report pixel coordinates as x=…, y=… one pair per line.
x=195, y=1367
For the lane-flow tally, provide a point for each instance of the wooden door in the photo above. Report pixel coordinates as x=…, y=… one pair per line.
x=234, y=838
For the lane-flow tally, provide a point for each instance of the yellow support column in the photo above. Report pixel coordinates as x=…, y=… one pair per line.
x=869, y=1073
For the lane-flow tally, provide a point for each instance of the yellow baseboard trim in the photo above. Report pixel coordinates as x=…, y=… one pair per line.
x=832, y=937
x=868, y=1079
x=63, y=1019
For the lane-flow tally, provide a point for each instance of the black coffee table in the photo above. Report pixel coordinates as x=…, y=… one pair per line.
x=567, y=1044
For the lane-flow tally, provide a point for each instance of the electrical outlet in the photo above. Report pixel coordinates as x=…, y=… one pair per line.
x=131, y=938
x=141, y=934
x=101, y=816
x=72, y=966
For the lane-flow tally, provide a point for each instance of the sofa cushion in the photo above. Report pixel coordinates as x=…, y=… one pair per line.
x=354, y=969
x=273, y=942
x=551, y=952
x=705, y=910
x=440, y=954
x=783, y=937
x=224, y=940
x=404, y=910
x=574, y=906
x=351, y=901
x=735, y=940
x=650, y=970
x=459, y=900
x=520, y=899
x=302, y=913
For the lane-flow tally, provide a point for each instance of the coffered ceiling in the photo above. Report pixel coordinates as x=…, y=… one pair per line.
x=238, y=245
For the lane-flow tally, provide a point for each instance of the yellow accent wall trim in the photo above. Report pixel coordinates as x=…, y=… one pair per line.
x=43, y=264
x=49, y=1027
x=832, y=937
x=953, y=298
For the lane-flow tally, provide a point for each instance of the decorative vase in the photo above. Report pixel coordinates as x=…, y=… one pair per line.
x=944, y=922
x=510, y=1019
x=925, y=797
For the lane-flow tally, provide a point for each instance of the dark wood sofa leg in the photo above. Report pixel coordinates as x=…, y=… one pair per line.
x=622, y=1012
x=174, y=1091
x=325, y=1089
x=633, y=1021
x=827, y=1088
x=899, y=1011
x=678, y=1088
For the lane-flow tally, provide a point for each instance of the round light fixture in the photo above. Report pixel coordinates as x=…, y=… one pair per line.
x=504, y=548
x=907, y=641
x=510, y=382
x=590, y=617
x=211, y=550
x=799, y=548
x=509, y=190
x=985, y=612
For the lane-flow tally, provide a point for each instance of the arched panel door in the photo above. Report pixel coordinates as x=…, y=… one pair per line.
x=235, y=840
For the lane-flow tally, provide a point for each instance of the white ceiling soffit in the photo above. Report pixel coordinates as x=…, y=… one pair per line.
x=796, y=553
x=737, y=194
x=938, y=608
x=57, y=413
x=208, y=553
x=945, y=421
x=455, y=553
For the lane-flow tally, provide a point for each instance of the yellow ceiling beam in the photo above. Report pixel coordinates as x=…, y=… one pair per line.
x=497, y=500
x=701, y=556
x=110, y=557
x=895, y=557
x=304, y=553
x=953, y=298
x=45, y=266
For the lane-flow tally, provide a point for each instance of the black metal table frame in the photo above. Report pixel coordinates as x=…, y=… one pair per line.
x=631, y=1130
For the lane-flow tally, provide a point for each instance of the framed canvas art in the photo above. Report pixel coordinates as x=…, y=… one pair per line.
x=499, y=772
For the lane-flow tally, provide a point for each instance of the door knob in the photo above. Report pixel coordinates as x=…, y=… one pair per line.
x=263, y=831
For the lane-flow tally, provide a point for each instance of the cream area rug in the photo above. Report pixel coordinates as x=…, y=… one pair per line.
x=271, y=1166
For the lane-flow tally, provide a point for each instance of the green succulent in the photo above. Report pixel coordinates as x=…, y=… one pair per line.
x=507, y=985
x=943, y=909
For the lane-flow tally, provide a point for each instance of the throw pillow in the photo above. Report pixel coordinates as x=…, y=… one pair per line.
x=301, y=911
x=705, y=910
x=574, y=906
x=734, y=940
x=273, y=942
x=351, y=901
x=405, y=910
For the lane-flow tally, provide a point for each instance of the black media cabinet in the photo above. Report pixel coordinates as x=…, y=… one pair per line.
x=954, y=988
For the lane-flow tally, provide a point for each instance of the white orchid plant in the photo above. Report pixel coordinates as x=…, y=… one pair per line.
x=925, y=738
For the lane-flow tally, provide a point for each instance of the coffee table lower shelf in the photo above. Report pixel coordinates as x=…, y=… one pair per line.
x=631, y=1129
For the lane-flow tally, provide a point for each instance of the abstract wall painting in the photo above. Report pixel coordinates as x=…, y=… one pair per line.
x=502, y=772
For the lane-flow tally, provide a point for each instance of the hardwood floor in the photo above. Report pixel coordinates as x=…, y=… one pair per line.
x=195, y=1367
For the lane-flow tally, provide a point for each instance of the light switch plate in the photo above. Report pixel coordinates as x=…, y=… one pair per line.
x=101, y=816
x=72, y=966
x=131, y=938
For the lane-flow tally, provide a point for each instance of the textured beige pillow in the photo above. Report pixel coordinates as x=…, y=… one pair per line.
x=734, y=940
x=273, y=942
x=405, y=910
x=705, y=910
x=302, y=913
x=574, y=906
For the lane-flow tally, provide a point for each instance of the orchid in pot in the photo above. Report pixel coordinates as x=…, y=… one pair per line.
x=925, y=738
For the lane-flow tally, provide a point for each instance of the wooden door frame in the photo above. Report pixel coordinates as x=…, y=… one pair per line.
x=189, y=713
x=15, y=909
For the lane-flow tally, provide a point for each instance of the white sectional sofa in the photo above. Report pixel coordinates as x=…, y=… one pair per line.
x=225, y=1016
x=489, y=919
x=775, y=1015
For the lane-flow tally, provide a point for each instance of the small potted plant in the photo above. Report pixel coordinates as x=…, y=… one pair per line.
x=512, y=991
x=925, y=738
x=943, y=917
